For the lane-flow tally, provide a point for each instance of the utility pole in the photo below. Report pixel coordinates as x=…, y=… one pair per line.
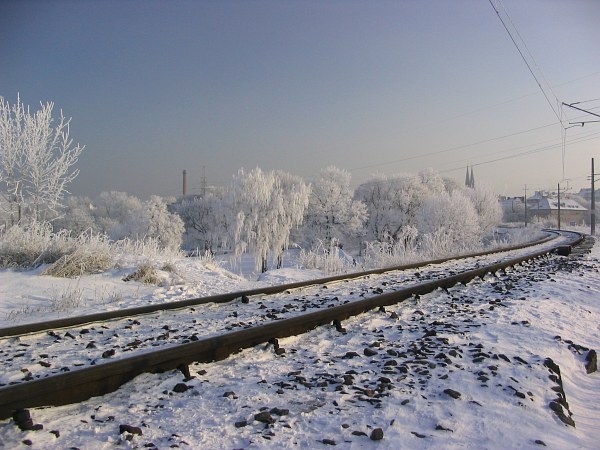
x=203, y=183
x=559, y=206
x=593, y=205
x=525, y=201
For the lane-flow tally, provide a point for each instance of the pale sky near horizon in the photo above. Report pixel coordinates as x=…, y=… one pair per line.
x=155, y=87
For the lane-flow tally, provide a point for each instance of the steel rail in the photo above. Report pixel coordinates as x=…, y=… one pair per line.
x=82, y=384
x=55, y=324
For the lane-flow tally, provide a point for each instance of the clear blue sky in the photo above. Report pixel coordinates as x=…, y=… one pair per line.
x=155, y=87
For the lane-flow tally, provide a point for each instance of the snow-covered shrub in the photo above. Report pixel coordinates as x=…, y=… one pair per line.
x=134, y=251
x=92, y=253
x=330, y=259
x=145, y=273
x=33, y=244
x=67, y=299
x=391, y=252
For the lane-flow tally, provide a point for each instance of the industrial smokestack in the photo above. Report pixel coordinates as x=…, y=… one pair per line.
x=184, y=183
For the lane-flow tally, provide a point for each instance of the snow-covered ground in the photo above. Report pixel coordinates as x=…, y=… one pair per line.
x=485, y=344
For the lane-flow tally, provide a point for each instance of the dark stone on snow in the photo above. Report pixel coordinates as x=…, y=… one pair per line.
x=245, y=299
x=452, y=393
x=27, y=442
x=376, y=434
x=241, y=424
x=108, y=353
x=369, y=352
x=350, y=355
x=540, y=442
x=591, y=362
x=229, y=394
x=359, y=433
x=328, y=442
x=558, y=410
x=22, y=418
x=130, y=429
x=521, y=360
x=394, y=315
x=441, y=428
x=55, y=433
x=420, y=436
x=280, y=411
x=180, y=387
x=504, y=357
x=264, y=417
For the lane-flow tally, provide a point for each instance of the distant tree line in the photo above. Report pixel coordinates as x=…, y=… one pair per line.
x=259, y=212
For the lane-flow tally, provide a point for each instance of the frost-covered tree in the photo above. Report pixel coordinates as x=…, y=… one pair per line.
x=393, y=203
x=76, y=216
x=265, y=207
x=332, y=213
x=36, y=160
x=489, y=211
x=206, y=222
x=113, y=209
x=152, y=220
x=291, y=201
x=448, y=223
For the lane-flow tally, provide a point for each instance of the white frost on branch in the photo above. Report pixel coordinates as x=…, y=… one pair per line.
x=36, y=160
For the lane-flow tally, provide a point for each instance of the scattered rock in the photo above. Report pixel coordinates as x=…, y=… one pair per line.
x=376, y=434
x=369, y=352
x=180, y=387
x=279, y=411
x=420, y=436
x=591, y=362
x=108, y=353
x=241, y=424
x=359, y=433
x=540, y=442
x=328, y=442
x=264, y=417
x=452, y=393
x=130, y=429
x=23, y=420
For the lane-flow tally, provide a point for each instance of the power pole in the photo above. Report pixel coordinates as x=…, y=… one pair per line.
x=525, y=201
x=593, y=205
x=559, y=206
x=203, y=182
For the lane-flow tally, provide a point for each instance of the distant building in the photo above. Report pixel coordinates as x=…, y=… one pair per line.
x=544, y=205
x=470, y=179
x=586, y=193
x=513, y=209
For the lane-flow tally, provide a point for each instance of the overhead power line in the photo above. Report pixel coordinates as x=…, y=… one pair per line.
x=524, y=58
x=458, y=147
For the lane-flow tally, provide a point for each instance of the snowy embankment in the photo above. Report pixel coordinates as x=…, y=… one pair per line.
x=467, y=368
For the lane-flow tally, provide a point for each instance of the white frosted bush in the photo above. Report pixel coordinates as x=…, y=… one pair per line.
x=32, y=245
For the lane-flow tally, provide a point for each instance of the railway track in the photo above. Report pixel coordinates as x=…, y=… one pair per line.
x=98, y=360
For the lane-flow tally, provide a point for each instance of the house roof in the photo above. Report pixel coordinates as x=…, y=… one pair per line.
x=548, y=203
